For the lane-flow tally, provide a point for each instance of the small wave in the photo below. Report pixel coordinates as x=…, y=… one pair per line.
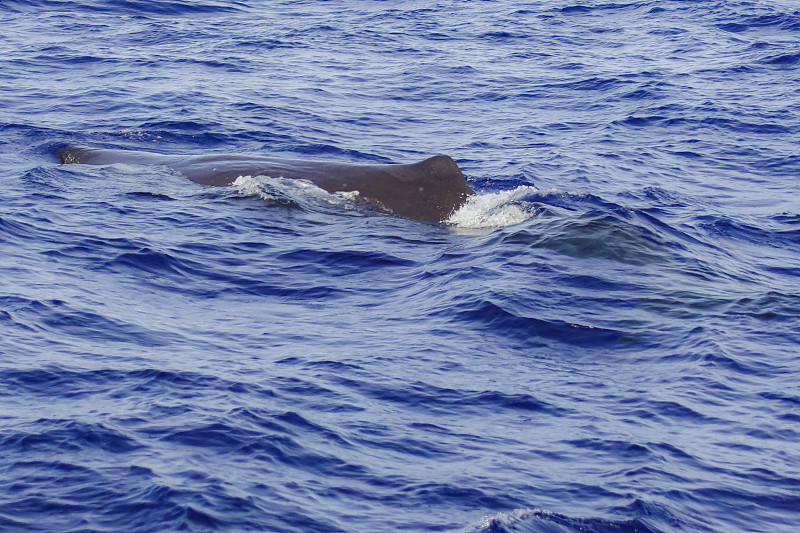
x=503, y=317
x=789, y=22
x=496, y=521
x=783, y=59
x=536, y=520
x=61, y=318
x=120, y=7
x=495, y=209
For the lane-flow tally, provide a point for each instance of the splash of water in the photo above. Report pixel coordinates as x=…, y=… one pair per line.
x=495, y=209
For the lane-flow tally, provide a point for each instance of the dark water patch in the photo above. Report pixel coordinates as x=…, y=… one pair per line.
x=13, y=227
x=536, y=331
x=501, y=36
x=667, y=412
x=662, y=121
x=789, y=22
x=132, y=494
x=594, y=283
x=207, y=135
x=789, y=163
x=60, y=318
x=177, y=271
x=335, y=366
x=650, y=513
x=687, y=154
x=576, y=9
x=120, y=7
x=595, y=235
x=295, y=292
x=744, y=502
x=788, y=218
x=427, y=397
x=230, y=64
x=261, y=44
x=315, y=396
x=720, y=359
x=343, y=263
x=64, y=436
x=64, y=383
x=772, y=304
x=92, y=250
x=50, y=183
x=646, y=92
x=747, y=231
x=149, y=195
x=783, y=60
x=789, y=400
x=227, y=437
x=658, y=197
x=592, y=84
x=455, y=496
x=154, y=262
x=46, y=382
x=630, y=451
x=303, y=425
x=411, y=447
x=79, y=60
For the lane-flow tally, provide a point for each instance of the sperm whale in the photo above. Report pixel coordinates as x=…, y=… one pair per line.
x=427, y=191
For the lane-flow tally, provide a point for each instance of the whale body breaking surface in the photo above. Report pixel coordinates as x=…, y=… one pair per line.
x=428, y=191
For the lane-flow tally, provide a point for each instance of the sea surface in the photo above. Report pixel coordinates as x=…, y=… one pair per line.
x=605, y=339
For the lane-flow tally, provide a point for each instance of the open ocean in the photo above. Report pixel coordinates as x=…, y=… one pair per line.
x=605, y=339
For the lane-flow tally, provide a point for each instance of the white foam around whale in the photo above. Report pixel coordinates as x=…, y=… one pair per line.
x=495, y=209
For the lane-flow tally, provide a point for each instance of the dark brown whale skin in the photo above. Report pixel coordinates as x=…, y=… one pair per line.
x=428, y=191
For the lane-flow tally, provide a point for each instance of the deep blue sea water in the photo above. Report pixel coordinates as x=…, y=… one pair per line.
x=607, y=339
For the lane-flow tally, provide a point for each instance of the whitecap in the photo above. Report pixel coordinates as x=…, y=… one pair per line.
x=278, y=189
x=509, y=520
x=495, y=209
x=297, y=192
x=253, y=186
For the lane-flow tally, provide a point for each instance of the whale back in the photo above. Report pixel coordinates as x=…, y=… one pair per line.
x=428, y=191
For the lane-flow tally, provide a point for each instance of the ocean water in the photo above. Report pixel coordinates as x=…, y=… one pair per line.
x=605, y=339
